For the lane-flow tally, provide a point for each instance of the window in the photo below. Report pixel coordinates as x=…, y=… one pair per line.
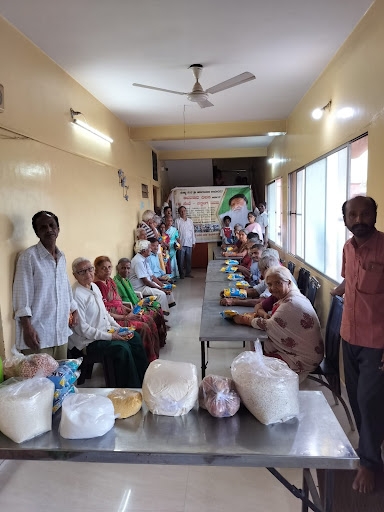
x=275, y=210
x=316, y=193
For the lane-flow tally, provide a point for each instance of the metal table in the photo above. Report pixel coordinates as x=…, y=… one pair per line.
x=214, y=327
x=314, y=440
x=218, y=256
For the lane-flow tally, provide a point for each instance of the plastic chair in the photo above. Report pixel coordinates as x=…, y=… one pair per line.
x=303, y=280
x=291, y=267
x=329, y=367
x=313, y=286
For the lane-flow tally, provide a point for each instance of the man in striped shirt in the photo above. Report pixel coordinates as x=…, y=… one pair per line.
x=187, y=237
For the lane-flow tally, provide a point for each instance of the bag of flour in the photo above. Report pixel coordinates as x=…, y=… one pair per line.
x=266, y=385
x=170, y=388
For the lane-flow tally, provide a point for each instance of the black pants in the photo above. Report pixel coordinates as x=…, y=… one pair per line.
x=365, y=387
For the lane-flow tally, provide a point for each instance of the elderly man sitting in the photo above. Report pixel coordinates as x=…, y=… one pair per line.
x=143, y=280
x=93, y=335
x=154, y=264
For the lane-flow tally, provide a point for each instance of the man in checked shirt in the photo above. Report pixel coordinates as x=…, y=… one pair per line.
x=42, y=295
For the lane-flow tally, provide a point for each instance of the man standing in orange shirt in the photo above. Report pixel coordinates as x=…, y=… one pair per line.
x=362, y=330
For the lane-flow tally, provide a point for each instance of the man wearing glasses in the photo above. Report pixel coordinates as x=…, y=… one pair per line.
x=42, y=295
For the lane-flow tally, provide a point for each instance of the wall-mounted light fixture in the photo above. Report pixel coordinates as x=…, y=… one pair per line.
x=276, y=134
x=86, y=126
x=319, y=112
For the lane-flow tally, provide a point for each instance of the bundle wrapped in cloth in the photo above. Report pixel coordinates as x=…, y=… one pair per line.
x=267, y=386
x=170, y=388
x=219, y=396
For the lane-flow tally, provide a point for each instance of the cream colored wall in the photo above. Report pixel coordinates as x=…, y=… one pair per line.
x=354, y=78
x=59, y=167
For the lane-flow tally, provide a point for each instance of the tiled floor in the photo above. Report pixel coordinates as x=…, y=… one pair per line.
x=70, y=486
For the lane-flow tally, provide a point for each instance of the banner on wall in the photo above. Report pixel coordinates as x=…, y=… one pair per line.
x=207, y=206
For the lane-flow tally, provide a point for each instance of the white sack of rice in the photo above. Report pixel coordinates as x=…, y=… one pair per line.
x=26, y=408
x=170, y=388
x=267, y=386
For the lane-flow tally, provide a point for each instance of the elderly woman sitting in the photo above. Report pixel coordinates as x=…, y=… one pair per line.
x=293, y=328
x=93, y=335
x=142, y=280
x=123, y=313
x=241, y=249
x=128, y=294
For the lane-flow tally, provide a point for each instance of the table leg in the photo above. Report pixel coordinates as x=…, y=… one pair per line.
x=304, y=506
x=329, y=481
x=203, y=363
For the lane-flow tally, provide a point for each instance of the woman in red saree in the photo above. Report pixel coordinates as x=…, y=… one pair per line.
x=123, y=315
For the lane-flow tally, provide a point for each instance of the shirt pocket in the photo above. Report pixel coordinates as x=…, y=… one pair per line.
x=372, y=278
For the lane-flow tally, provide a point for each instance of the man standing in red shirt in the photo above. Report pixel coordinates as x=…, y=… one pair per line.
x=362, y=330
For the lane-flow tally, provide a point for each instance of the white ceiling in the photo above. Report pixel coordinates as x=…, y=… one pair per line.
x=106, y=46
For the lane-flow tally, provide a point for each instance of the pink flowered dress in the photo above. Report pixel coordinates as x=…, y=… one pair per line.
x=294, y=333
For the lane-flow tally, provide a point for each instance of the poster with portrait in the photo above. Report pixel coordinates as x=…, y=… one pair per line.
x=207, y=207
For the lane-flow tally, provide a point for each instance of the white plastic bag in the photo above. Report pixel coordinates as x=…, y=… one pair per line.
x=267, y=386
x=26, y=408
x=170, y=388
x=86, y=415
x=34, y=365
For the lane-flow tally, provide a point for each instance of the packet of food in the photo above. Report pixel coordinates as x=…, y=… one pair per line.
x=235, y=277
x=231, y=262
x=242, y=284
x=137, y=310
x=238, y=293
x=168, y=286
x=229, y=268
x=228, y=314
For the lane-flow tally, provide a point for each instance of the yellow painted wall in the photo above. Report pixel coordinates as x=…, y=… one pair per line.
x=59, y=167
x=354, y=78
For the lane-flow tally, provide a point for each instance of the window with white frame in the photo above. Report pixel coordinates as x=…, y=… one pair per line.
x=316, y=231
x=275, y=210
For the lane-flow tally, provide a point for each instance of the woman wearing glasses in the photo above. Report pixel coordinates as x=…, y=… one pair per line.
x=93, y=335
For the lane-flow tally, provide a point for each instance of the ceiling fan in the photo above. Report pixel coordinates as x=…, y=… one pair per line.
x=198, y=95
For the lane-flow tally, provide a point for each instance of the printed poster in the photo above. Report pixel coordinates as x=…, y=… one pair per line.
x=207, y=206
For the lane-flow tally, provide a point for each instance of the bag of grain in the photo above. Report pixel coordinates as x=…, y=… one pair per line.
x=126, y=402
x=266, y=385
x=86, y=415
x=26, y=408
x=218, y=395
x=170, y=388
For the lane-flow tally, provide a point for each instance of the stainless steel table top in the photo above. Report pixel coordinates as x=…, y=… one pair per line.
x=313, y=440
x=214, y=327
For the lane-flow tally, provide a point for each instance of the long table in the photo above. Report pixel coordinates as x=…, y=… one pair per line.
x=217, y=254
x=313, y=440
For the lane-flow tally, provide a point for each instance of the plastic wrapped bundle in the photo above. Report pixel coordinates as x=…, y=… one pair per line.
x=267, y=386
x=170, y=388
x=235, y=277
x=26, y=408
x=219, y=396
x=238, y=293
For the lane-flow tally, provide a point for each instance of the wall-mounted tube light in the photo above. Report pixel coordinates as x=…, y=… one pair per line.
x=86, y=126
x=276, y=134
x=319, y=112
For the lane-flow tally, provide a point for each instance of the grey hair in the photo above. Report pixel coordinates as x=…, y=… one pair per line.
x=77, y=262
x=245, y=231
x=281, y=272
x=237, y=227
x=142, y=245
x=272, y=252
x=147, y=215
x=122, y=261
x=267, y=260
x=139, y=230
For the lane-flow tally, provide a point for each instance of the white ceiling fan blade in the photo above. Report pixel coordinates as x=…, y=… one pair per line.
x=231, y=82
x=158, y=89
x=205, y=103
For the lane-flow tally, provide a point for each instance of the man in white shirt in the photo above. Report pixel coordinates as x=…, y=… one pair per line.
x=142, y=280
x=187, y=237
x=42, y=295
x=262, y=219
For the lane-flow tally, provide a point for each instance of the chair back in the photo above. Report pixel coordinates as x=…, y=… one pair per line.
x=291, y=267
x=313, y=286
x=332, y=331
x=303, y=280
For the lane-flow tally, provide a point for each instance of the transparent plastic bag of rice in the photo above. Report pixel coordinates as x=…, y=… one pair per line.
x=267, y=386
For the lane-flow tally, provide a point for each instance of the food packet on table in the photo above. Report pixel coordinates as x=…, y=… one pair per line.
x=59, y=396
x=228, y=314
x=238, y=293
x=170, y=388
x=86, y=415
x=229, y=268
x=231, y=262
x=267, y=386
x=67, y=373
x=126, y=402
x=34, y=365
x=229, y=249
x=26, y=408
x=235, y=277
x=242, y=284
x=219, y=396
